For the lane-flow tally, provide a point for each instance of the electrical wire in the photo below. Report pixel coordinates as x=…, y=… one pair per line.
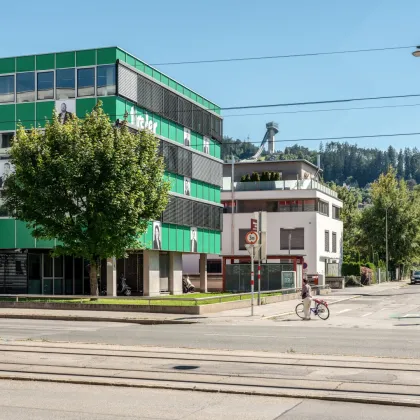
x=273, y=57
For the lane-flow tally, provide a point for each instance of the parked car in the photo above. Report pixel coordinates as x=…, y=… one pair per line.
x=415, y=277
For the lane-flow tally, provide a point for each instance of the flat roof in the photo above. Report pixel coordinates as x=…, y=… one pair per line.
x=263, y=162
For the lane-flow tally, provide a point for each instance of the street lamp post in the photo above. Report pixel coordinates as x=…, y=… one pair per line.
x=386, y=241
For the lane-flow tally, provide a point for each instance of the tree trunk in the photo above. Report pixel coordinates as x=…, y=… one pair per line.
x=93, y=277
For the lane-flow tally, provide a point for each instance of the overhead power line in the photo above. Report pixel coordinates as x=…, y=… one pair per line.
x=274, y=57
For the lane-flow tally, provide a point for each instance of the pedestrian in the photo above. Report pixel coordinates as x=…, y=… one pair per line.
x=307, y=299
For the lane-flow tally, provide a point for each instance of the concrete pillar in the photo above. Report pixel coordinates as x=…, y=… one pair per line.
x=175, y=273
x=151, y=273
x=203, y=273
x=111, y=277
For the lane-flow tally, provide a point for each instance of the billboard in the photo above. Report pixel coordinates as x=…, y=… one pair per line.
x=187, y=186
x=5, y=170
x=193, y=239
x=65, y=109
x=157, y=235
x=187, y=137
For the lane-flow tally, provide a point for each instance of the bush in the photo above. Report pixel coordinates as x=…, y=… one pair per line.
x=352, y=281
x=243, y=178
x=255, y=177
x=366, y=276
x=248, y=178
x=350, y=269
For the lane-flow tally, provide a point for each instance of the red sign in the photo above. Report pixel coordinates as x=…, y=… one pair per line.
x=254, y=225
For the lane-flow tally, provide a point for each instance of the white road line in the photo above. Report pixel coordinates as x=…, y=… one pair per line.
x=244, y=335
x=344, y=310
x=369, y=313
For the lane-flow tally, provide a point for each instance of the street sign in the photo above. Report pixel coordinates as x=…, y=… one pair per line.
x=254, y=225
x=251, y=238
x=305, y=265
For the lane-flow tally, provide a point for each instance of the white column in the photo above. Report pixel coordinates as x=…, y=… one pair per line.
x=111, y=277
x=203, y=273
x=175, y=273
x=151, y=274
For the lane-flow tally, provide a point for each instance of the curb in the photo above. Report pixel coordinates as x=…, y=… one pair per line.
x=292, y=312
x=189, y=388
x=95, y=319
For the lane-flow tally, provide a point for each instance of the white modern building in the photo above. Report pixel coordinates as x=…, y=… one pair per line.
x=304, y=231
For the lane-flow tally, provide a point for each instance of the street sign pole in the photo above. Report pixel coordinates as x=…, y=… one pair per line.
x=259, y=259
x=251, y=238
x=252, y=281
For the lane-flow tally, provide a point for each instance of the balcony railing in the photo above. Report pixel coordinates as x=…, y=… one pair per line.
x=306, y=184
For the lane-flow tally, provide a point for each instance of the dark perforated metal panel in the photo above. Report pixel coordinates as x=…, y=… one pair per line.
x=127, y=84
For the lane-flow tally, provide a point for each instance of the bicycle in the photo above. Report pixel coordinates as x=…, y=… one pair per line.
x=320, y=309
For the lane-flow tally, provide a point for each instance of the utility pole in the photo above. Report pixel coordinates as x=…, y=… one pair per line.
x=232, y=186
x=259, y=259
x=386, y=241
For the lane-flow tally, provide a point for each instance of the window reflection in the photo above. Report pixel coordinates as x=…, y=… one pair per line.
x=7, y=89
x=65, y=83
x=86, y=82
x=106, y=80
x=45, y=85
x=25, y=87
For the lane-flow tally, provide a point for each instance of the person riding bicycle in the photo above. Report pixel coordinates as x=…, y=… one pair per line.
x=307, y=299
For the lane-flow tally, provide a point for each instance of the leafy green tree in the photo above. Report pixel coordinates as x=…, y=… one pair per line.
x=91, y=185
x=392, y=198
x=400, y=165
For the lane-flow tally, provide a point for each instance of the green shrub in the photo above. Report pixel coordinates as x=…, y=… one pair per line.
x=352, y=281
x=350, y=269
x=255, y=177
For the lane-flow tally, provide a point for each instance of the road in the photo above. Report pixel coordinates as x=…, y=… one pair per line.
x=52, y=401
x=384, y=324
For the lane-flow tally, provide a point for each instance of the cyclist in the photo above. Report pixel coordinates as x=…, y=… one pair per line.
x=307, y=299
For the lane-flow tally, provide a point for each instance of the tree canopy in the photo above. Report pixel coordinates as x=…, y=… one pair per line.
x=89, y=184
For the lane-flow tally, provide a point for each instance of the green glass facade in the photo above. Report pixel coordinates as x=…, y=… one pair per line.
x=31, y=87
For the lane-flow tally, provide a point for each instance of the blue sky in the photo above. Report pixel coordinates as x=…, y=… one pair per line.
x=178, y=30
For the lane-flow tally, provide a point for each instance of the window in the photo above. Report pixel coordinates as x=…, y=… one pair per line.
x=45, y=85
x=292, y=239
x=65, y=83
x=327, y=241
x=241, y=238
x=336, y=212
x=323, y=207
x=106, y=80
x=7, y=89
x=25, y=87
x=6, y=140
x=309, y=205
x=334, y=242
x=214, y=266
x=86, y=82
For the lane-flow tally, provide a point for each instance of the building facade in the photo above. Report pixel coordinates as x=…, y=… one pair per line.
x=301, y=217
x=189, y=127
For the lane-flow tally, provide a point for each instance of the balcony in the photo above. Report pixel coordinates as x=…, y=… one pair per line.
x=306, y=184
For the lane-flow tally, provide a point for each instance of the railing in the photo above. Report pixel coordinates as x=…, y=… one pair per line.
x=149, y=299
x=305, y=184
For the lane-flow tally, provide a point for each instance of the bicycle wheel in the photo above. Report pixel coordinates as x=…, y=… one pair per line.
x=299, y=311
x=322, y=311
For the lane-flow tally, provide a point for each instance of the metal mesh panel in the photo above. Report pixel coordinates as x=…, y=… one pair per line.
x=127, y=83
x=197, y=220
x=206, y=122
x=206, y=170
x=188, y=117
x=171, y=105
x=170, y=213
x=184, y=162
x=157, y=99
x=170, y=157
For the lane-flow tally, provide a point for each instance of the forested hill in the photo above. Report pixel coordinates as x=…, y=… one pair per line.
x=343, y=162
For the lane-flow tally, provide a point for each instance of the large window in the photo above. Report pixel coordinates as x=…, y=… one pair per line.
x=86, y=82
x=292, y=239
x=336, y=212
x=241, y=238
x=7, y=89
x=6, y=140
x=323, y=207
x=45, y=85
x=25, y=87
x=334, y=242
x=105, y=83
x=65, y=83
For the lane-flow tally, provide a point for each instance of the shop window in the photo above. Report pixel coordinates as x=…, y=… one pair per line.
x=45, y=85
x=106, y=85
x=65, y=83
x=86, y=82
x=25, y=87
x=7, y=89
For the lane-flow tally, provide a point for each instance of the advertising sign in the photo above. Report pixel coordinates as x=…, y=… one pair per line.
x=65, y=109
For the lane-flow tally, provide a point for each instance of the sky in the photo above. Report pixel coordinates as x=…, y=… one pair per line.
x=188, y=30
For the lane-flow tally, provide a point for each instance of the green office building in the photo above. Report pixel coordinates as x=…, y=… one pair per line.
x=189, y=127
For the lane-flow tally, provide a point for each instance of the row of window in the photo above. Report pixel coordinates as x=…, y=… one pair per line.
x=59, y=84
x=162, y=101
x=310, y=204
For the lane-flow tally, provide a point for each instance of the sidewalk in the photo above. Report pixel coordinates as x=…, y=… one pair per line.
x=261, y=313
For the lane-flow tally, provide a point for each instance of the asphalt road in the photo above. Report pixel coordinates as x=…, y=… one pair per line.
x=52, y=401
x=385, y=324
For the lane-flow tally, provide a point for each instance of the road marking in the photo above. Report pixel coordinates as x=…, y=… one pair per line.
x=243, y=335
x=344, y=310
x=369, y=313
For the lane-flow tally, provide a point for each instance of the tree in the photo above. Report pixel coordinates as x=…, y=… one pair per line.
x=91, y=185
x=400, y=165
x=392, y=198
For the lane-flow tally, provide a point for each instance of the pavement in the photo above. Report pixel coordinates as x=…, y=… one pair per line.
x=54, y=401
x=383, y=381
x=267, y=311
